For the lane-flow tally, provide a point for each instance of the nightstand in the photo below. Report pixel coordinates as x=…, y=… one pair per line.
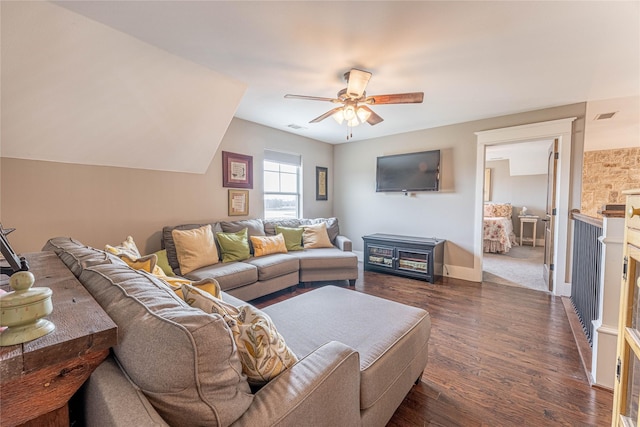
x=528, y=219
x=37, y=378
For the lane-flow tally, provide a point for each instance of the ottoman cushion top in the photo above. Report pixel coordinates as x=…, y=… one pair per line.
x=387, y=335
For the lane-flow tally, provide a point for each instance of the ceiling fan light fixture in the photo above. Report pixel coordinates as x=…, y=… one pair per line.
x=363, y=114
x=349, y=112
x=353, y=122
x=338, y=116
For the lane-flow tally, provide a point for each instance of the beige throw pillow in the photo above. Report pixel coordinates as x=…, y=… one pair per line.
x=315, y=236
x=195, y=248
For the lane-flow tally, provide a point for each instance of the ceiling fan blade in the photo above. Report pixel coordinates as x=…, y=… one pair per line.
x=357, y=81
x=325, y=115
x=311, y=98
x=396, y=98
x=373, y=119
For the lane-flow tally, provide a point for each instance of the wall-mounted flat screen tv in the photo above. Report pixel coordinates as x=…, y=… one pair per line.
x=409, y=172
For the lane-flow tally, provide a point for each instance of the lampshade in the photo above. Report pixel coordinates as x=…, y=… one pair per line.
x=352, y=115
x=349, y=112
x=363, y=114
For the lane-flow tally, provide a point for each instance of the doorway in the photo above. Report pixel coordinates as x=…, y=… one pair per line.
x=517, y=177
x=544, y=131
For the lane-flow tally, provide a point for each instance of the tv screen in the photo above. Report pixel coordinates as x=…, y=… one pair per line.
x=409, y=172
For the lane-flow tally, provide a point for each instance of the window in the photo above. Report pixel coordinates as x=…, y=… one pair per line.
x=282, y=185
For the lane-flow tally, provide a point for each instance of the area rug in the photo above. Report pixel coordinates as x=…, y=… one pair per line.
x=522, y=266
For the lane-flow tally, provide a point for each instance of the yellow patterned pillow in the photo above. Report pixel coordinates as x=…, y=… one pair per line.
x=210, y=286
x=128, y=247
x=263, y=352
x=129, y=253
x=316, y=236
x=146, y=263
x=195, y=248
x=265, y=245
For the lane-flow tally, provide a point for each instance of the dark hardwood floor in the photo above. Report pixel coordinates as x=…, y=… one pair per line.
x=498, y=356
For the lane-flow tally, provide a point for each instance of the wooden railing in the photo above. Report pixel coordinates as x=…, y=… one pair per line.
x=585, y=272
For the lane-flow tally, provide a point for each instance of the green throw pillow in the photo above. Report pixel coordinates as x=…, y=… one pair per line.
x=292, y=237
x=234, y=246
x=163, y=263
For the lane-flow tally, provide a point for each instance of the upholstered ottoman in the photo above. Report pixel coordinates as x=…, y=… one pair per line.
x=391, y=339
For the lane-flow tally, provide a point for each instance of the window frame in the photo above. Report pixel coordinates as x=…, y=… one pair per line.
x=298, y=178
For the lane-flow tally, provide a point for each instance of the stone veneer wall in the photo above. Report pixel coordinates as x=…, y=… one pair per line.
x=605, y=174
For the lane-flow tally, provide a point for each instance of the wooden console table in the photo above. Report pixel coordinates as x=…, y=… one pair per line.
x=37, y=378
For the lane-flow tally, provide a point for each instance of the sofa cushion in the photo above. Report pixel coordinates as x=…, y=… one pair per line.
x=292, y=237
x=195, y=248
x=229, y=275
x=128, y=252
x=325, y=259
x=127, y=247
x=275, y=265
x=76, y=256
x=267, y=245
x=234, y=246
x=170, y=246
x=389, y=336
x=315, y=236
x=146, y=263
x=205, y=384
x=333, y=230
x=263, y=352
x=254, y=228
x=271, y=224
x=163, y=262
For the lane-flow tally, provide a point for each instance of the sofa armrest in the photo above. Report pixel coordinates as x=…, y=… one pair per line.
x=343, y=243
x=323, y=389
x=111, y=399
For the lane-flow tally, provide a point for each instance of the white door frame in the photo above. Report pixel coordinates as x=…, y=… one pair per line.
x=560, y=129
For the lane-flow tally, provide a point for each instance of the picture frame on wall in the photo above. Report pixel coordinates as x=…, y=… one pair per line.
x=238, y=202
x=237, y=170
x=321, y=183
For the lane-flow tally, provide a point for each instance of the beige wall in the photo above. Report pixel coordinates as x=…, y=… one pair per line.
x=448, y=214
x=605, y=174
x=519, y=190
x=102, y=204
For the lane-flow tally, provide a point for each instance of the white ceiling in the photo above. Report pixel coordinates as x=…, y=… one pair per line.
x=472, y=60
x=525, y=158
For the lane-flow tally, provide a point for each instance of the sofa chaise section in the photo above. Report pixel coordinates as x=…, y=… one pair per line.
x=391, y=339
x=358, y=355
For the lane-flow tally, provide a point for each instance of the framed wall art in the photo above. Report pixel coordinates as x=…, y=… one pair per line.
x=238, y=202
x=321, y=183
x=237, y=170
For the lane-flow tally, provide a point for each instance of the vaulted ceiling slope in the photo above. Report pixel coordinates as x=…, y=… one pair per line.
x=77, y=91
x=472, y=59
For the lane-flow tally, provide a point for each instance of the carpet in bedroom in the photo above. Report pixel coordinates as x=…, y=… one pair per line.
x=522, y=266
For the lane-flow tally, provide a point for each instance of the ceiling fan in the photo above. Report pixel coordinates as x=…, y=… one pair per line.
x=355, y=102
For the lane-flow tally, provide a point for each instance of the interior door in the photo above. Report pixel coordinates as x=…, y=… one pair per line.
x=549, y=220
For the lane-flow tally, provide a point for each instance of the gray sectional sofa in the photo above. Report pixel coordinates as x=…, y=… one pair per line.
x=258, y=276
x=358, y=355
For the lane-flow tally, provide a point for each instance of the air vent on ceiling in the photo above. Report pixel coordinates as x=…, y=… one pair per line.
x=605, y=116
x=295, y=126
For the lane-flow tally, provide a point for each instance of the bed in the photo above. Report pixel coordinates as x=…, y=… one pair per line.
x=498, y=235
